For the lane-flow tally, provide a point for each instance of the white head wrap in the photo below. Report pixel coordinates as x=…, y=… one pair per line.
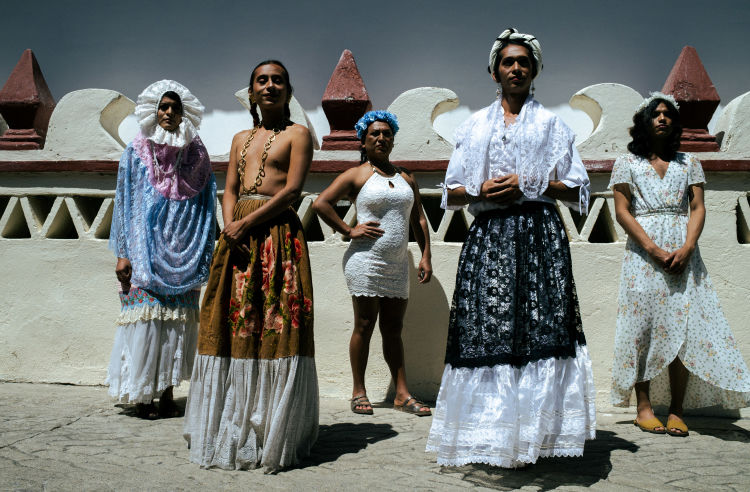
x=148, y=104
x=512, y=34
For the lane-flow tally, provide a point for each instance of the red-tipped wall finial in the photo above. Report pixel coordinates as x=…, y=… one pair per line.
x=691, y=86
x=345, y=100
x=26, y=105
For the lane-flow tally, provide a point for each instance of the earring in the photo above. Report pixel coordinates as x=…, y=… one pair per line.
x=532, y=88
x=252, y=98
x=499, y=92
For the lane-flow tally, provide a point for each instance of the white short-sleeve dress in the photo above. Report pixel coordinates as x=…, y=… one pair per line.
x=660, y=315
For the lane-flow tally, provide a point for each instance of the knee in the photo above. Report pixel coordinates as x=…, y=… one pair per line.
x=363, y=327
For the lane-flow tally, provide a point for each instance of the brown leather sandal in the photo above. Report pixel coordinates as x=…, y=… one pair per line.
x=361, y=401
x=416, y=407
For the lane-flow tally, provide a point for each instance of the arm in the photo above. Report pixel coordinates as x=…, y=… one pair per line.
x=557, y=190
x=678, y=259
x=634, y=230
x=499, y=190
x=300, y=158
x=421, y=231
x=232, y=183
x=344, y=186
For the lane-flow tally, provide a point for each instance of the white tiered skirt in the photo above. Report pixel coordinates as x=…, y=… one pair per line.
x=245, y=413
x=150, y=355
x=507, y=416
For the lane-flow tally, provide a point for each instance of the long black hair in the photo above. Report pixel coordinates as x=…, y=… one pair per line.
x=290, y=89
x=642, y=123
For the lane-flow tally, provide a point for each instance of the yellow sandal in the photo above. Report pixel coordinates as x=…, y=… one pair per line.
x=650, y=425
x=677, y=425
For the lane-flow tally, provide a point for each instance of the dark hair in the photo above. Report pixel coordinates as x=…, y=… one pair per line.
x=640, y=131
x=362, y=153
x=498, y=59
x=254, y=106
x=175, y=97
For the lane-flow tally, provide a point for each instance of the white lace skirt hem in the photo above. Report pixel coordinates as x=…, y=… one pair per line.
x=245, y=413
x=507, y=416
x=148, y=356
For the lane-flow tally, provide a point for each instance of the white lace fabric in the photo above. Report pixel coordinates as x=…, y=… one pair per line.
x=146, y=112
x=150, y=355
x=380, y=267
x=246, y=413
x=537, y=146
x=505, y=416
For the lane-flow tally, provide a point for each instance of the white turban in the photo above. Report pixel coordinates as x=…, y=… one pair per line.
x=148, y=104
x=512, y=34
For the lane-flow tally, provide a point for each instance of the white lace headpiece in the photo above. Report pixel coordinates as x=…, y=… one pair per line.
x=512, y=34
x=657, y=95
x=148, y=104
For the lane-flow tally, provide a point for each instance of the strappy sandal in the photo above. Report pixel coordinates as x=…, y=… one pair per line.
x=650, y=425
x=677, y=425
x=414, y=408
x=361, y=401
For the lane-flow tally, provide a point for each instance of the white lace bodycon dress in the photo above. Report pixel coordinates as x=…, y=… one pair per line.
x=380, y=267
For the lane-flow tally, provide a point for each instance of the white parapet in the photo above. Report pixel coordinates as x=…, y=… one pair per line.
x=733, y=127
x=610, y=107
x=416, y=110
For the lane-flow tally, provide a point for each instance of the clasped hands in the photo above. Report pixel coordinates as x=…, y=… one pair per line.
x=503, y=190
x=674, y=262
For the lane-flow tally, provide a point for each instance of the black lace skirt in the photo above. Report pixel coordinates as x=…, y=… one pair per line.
x=515, y=300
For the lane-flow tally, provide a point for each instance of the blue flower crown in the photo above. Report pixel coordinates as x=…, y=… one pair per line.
x=371, y=117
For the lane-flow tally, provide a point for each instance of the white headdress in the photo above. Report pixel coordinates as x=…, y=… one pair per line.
x=512, y=34
x=148, y=104
x=657, y=95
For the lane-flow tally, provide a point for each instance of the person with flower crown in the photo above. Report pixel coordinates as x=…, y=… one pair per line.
x=673, y=344
x=162, y=233
x=253, y=397
x=376, y=263
x=518, y=382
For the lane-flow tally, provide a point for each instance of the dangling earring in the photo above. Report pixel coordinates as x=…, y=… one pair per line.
x=499, y=92
x=532, y=88
x=252, y=98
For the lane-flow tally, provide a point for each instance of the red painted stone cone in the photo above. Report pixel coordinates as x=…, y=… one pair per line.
x=26, y=104
x=345, y=100
x=691, y=86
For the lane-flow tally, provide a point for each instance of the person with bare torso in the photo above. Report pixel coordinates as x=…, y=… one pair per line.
x=254, y=393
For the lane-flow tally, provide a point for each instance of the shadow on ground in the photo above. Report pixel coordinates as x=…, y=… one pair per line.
x=550, y=473
x=344, y=438
x=130, y=410
x=718, y=427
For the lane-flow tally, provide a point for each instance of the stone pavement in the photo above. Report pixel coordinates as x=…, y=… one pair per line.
x=59, y=437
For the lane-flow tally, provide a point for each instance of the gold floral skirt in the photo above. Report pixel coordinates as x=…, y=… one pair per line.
x=258, y=302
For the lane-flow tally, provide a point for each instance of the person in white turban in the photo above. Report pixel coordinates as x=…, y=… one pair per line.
x=518, y=382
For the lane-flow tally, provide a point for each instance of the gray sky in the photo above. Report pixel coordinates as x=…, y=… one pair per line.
x=211, y=46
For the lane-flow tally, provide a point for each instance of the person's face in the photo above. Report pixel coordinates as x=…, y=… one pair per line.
x=514, y=70
x=378, y=140
x=168, y=114
x=661, y=123
x=269, y=87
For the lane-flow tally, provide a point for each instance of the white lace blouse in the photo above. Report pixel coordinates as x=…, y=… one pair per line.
x=538, y=147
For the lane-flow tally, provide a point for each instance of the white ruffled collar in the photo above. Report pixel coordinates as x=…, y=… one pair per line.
x=147, y=107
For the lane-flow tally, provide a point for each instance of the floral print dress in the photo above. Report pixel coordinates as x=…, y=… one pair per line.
x=660, y=315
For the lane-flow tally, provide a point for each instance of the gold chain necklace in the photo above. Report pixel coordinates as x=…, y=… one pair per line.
x=261, y=169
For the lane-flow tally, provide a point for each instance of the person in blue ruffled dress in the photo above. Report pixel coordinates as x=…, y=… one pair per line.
x=163, y=228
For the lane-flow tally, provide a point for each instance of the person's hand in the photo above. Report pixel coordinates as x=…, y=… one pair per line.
x=502, y=190
x=424, y=270
x=366, y=229
x=233, y=234
x=661, y=257
x=678, y=259
x=124, y=270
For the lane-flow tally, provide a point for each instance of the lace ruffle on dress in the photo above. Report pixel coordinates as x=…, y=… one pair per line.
x=380, y=267
x=163, y=223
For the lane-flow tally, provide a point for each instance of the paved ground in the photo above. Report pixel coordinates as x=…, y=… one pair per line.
x=55, y=437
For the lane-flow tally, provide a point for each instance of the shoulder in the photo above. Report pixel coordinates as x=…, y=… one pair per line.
x=686, y=158
x=298, y=132
x=408, y=176
x=241, y=136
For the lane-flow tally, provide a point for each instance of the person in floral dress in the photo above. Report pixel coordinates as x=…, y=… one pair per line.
x=672, y=343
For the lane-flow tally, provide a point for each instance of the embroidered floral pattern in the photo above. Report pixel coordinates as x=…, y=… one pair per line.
x=137, y=297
